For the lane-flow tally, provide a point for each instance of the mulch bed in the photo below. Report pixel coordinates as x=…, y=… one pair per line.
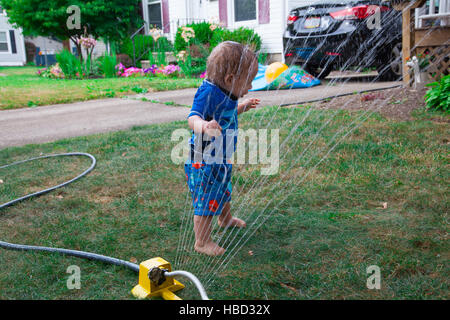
x=396, y=103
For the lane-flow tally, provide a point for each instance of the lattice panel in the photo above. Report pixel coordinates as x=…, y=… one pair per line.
x=439, y=61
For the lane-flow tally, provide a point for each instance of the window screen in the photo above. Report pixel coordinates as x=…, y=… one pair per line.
x=3, y=42
x=244, y=10
x=154, y=15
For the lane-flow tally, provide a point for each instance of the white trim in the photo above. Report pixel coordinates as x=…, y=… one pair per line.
x=444, y=12
x=24, y=51
x=246, y=23
x=8, y=41
x=145, y=4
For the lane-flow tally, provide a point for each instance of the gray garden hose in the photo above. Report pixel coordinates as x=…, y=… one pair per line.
x=76, y=253
x=94, y=161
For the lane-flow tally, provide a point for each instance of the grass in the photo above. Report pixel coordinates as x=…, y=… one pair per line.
x=316, y=244
x=22, y=88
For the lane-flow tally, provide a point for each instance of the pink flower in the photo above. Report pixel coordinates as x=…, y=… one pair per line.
x=168, y=70
x=88, y=43
x=133, y=71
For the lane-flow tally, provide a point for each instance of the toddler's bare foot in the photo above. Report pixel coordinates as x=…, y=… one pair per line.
x=209, y=248
x=233, y=222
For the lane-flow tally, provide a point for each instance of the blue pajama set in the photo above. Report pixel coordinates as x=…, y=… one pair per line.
x=208, y=171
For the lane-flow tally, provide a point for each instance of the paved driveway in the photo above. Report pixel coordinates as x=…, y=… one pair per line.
x=51, y=123
x=279, y=97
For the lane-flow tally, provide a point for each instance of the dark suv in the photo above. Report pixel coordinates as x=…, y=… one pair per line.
x=337, y=34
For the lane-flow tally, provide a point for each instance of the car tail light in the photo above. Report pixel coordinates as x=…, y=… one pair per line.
x=332, y=53
x=358, y=12
x=292, y=19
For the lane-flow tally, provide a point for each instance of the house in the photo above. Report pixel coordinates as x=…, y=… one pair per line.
x=12, y=43
x=430, y=36
x=13, y=50
x=267, y=17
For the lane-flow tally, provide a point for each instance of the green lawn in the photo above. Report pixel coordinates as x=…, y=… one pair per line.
x=21, y=87
x=380, y=198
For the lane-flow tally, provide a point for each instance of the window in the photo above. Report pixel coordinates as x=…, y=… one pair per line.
x=154, y=14
x=244, y=10
x=3, y=42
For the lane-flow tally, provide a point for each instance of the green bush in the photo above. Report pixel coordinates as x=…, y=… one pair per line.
x=242, y=35
x=70, y=65
x=162, y=46
x=199, y=47
x=438, y=97
x=107, y=65
x=203, y=35
x=143, y=44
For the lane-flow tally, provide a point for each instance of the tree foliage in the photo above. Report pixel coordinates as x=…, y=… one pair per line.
x=108, y=19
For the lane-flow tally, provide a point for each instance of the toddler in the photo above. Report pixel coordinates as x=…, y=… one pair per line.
x=231, y=68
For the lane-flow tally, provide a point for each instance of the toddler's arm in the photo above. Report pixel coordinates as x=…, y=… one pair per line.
x=248, y=104
x=200, y=126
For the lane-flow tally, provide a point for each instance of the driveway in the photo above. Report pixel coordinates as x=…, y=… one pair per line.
x=279, y=97
x=50, y=123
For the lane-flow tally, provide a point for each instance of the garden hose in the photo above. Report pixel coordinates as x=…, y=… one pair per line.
x=191, y=277
x=94, y=161
x=76, y=253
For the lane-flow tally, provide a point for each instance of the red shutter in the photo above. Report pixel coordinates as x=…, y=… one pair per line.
x=223, y=12
x=165, y=16
x=264, y=11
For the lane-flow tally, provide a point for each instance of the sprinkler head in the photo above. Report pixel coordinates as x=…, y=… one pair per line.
x=154, y=283
x=156, y=275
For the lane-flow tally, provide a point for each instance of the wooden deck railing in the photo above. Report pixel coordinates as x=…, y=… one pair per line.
x=434, y=12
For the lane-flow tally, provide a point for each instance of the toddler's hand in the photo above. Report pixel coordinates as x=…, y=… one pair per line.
x=248, y=104
x=212, y=128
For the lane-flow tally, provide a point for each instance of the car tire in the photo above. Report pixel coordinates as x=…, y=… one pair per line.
x=391, y=68
x=319, y=73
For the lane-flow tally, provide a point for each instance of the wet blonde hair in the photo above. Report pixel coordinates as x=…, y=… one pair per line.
x=230, y=57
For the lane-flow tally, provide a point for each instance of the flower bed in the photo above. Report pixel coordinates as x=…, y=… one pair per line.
x=170, y=70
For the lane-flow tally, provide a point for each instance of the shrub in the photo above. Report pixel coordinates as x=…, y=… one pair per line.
x=143, y=44
x=242, y=35
x=438, y=97
x=203, y=35
x=194, y=42
x=70, y=65
x=163, y=44
x=124, y=59
x=107, y=65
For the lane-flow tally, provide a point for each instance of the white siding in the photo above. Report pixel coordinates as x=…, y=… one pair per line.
x=271, y=34
x=182, y=12
x=178, y=14
x=10, y=59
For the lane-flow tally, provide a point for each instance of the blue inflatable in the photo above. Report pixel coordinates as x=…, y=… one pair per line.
x=292, y=78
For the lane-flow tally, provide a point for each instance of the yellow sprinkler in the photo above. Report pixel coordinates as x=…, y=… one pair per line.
x=156, y=279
